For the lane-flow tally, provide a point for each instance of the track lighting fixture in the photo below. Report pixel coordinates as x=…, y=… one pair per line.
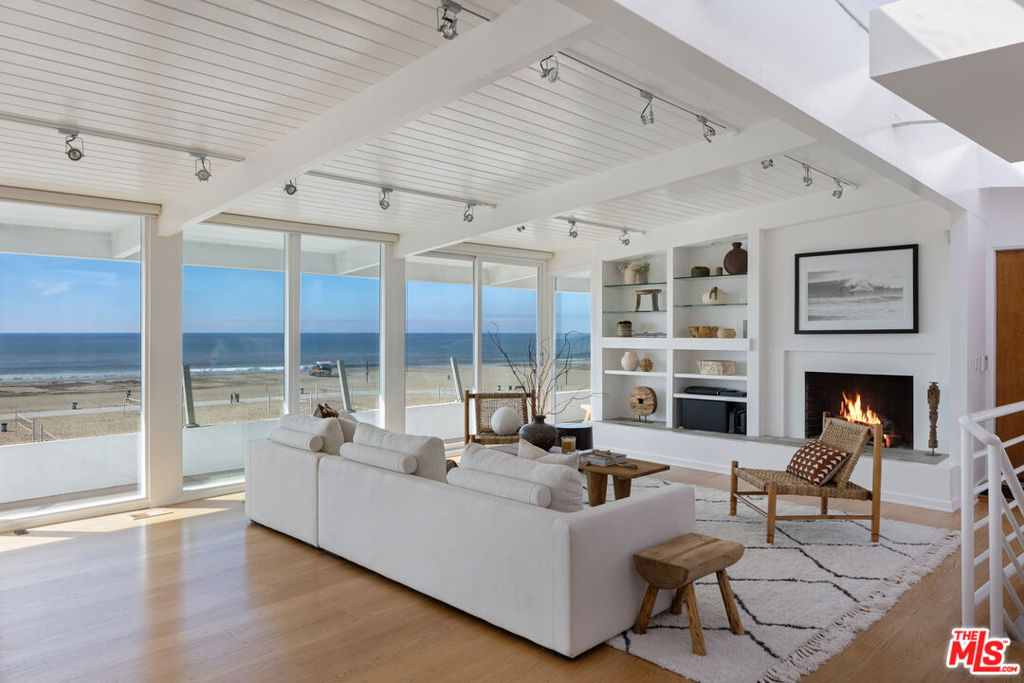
x=624, y=238
x=808, y=180
x=290, y=187
x=204, y=168
x=708, y=130
x=767, y=163
x=74, y=146
x=467, y=215
x=573, y=232
x=549, y=68
x=838, y=192
x=521, y=228
x=447, y=19
x=647, y=115
x=385, y=198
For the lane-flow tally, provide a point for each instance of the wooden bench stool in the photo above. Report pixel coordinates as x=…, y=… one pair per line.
x=675, y=565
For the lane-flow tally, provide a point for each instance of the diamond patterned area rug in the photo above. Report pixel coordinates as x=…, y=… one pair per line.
x=801, y=600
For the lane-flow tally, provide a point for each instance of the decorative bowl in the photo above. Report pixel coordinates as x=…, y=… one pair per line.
x=726, y=333
x=716, y=367
x=700, y=271
x=703, y=331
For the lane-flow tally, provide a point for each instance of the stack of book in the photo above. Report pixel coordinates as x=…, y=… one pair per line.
x=603, y=458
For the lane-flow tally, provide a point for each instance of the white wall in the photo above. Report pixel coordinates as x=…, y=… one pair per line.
x=785, y=355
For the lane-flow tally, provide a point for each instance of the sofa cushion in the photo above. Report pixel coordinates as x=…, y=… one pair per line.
x=503, y=487
x=530, y=452
x=380, y=457
x=303, y=440
x=428, y=450
x=566, y=484
x=328, y=429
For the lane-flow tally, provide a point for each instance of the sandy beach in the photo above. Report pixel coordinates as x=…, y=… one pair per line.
x=102, y=408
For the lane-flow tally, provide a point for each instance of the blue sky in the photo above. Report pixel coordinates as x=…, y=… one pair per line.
x=54, y=294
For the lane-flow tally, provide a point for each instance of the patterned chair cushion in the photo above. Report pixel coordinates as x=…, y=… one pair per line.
x=817, y=462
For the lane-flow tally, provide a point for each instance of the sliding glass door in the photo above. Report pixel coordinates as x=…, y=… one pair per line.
x=70, y=359
x=232, y=347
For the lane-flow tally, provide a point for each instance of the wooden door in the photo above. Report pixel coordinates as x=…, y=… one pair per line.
x=1010, y=344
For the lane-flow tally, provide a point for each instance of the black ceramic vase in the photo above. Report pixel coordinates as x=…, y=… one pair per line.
x=539, y=433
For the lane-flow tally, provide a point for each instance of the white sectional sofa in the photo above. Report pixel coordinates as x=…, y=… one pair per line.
x=564, y=580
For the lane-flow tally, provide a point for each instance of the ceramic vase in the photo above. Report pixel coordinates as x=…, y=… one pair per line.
x=629, y=361
x=736, y=259
x=539, y=433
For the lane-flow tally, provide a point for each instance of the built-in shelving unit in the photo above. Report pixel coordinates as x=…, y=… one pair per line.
x=685, y=300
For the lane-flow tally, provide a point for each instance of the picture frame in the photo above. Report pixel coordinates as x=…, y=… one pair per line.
x=857, y=291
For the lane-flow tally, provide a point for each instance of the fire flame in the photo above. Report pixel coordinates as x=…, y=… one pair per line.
x=851, y=410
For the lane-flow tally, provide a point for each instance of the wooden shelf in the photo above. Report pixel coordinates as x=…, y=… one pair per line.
x=705, y=397
x=635, y=373
x=697, y=375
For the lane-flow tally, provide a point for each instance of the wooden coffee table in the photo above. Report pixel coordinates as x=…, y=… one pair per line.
x=622, y=478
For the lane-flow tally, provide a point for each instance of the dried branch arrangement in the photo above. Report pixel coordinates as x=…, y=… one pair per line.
x=539, y=377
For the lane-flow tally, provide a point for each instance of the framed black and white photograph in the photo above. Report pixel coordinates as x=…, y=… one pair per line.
x=857, y=291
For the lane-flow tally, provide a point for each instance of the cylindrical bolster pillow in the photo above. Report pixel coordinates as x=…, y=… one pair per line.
x=289, y=437
x=503, y=487
x=380, y=457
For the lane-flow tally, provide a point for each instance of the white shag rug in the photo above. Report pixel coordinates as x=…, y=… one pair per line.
x=801, y=600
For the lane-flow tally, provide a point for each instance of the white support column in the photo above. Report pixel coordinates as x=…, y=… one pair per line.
x=756, y=283
x=161, y=364
x=292, y=320
x=478, y=324
x=392, y=340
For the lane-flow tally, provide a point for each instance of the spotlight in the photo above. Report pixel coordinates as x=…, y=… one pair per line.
x=624, y=238
x=447, y=19
x=573, y=232
x=385, y=198
x=838, y=192
x=521, y=228
x=74, y=146
x=647, y=115
x=767, y=163
x=290, y=187
x=204, y=169
x=808, y=180
x=467, y=215
x=549, y=68
x=709, y=130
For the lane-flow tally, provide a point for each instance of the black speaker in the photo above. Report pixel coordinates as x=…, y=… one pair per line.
x=708, y=416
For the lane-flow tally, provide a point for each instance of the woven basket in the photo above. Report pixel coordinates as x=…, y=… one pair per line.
x=716, y=367
x=703, y=331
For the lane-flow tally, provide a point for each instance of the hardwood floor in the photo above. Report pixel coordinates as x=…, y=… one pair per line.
x=202, y=594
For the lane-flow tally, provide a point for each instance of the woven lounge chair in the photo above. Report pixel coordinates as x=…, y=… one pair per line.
x=484, y=406
x=851, y=437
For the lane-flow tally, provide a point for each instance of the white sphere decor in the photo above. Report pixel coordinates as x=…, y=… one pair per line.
x=506, y=421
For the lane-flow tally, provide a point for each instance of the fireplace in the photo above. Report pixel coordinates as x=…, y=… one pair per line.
x=888, y=399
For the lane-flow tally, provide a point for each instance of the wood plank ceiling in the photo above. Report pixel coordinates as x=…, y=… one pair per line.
x=227, y=77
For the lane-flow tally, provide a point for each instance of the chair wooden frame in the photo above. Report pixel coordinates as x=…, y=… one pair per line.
x=831, y=490
x=484, y=405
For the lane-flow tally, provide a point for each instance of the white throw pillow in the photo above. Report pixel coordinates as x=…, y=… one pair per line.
x=503, y=487
x=329, y=430
x=528, y=451
x=428, y=450
x=301, y=440
x=348, y=424
x=506, y=421
x=566, y=484
x=403, y=463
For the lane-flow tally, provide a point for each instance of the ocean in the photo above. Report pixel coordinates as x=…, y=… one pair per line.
x=85, y=356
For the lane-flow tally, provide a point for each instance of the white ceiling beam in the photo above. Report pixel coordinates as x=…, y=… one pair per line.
x=756, y=142
x=832, y=98
x=520, y=35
